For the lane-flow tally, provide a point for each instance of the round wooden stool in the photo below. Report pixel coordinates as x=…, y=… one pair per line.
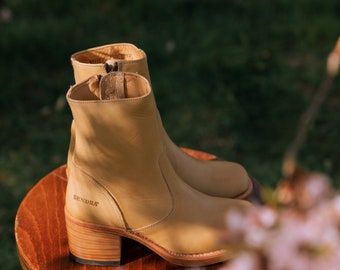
x=41, y=233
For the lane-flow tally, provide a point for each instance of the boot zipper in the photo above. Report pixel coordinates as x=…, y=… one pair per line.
x=111, y=65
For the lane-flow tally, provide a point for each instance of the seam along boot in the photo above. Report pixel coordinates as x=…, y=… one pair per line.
x=122, y=183
x=213, y=177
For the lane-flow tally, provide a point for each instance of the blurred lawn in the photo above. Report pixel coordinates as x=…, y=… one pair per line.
x=230, y=77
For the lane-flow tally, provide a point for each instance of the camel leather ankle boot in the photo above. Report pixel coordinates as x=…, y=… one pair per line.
x=214, y=177
x=123, y=184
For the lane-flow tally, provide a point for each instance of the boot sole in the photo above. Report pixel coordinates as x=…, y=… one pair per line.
x=100, y=245
x=253, y=192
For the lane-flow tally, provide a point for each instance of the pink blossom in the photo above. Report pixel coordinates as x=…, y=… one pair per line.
x=245, y=261
x=303, y=235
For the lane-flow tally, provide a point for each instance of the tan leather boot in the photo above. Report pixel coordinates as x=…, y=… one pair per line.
x=123, y=184
x=215, y=177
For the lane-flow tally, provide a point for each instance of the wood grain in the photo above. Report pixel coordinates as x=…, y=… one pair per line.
x=41, y=233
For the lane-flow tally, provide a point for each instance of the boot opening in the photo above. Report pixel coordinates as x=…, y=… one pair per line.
x=111, y=52
x=113, y=86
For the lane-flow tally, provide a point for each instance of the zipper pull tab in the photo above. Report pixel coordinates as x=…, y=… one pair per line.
x=111, y=65
x=93, y=84
x=112, y=86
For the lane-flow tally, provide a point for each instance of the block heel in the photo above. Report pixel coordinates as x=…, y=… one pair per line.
x=92, y=244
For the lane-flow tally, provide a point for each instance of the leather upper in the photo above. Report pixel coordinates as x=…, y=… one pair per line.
x=120, y=163
x=216, y=178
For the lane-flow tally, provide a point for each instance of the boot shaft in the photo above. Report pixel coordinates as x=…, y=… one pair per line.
x=117, y=150
x=116, y=112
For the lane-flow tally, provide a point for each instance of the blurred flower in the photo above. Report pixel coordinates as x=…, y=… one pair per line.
x=304, y=189
x=300, y=232
x=246, y=261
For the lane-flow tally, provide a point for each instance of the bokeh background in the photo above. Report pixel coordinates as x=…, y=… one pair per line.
x=230, y=78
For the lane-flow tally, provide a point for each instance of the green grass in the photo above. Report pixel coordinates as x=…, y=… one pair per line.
x=230, y=77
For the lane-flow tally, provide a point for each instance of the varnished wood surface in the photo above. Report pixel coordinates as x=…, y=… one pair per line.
x=41, y=233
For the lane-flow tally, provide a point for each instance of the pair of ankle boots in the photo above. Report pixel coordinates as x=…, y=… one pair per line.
x=126, y=178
